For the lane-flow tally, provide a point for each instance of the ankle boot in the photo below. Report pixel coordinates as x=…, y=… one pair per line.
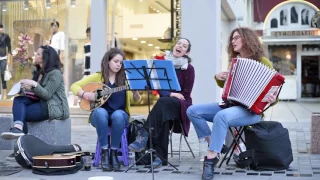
x=141, y=141
x=105, y=160
x=114, y=160
x=208, y=168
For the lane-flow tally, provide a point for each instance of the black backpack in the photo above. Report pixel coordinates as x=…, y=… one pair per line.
x=135, y=126
x=268, y=147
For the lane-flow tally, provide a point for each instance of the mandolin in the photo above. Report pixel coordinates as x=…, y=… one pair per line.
x=102, y=91
x=54, y=161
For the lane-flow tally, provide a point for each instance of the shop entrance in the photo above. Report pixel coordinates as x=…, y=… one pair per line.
x=310, y=76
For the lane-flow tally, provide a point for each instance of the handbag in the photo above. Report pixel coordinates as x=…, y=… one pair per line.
x=7, y=74
x=32, y=96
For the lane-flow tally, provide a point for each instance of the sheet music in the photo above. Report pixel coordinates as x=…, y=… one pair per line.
x=15, y=89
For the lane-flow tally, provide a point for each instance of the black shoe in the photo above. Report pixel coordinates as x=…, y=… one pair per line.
x=11, y=157
x=224, y=149
x=208, y=168
x=105, y=160
x=14, y=133
x=114, y=160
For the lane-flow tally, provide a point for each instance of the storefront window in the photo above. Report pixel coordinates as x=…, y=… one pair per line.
x=284, y=59
x=29, y=20
x=136, y=25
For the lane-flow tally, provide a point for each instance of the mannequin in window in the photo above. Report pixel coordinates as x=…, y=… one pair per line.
x=5, y=43
x=294, y=15
x=283, y=17
x=57, y=39
x=304, y=17
x=87, y=51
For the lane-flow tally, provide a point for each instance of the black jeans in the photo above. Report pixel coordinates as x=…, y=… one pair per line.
x=3, y=65
x=164, y=113
x=26, y=110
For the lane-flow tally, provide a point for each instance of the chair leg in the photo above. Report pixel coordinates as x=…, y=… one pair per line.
x=180, y=148
x=235, y=142
x=185, y=138
x=171, y=132
x=189, y=146
x=97, y=155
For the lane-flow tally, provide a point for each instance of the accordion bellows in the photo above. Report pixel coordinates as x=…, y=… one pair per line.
x=249, y=82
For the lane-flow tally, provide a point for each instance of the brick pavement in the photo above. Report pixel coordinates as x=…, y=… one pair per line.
x=294, y=116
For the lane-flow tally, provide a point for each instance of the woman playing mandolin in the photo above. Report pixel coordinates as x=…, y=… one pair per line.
x=114, y=111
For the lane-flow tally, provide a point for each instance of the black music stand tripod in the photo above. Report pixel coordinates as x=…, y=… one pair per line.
x=146, y=76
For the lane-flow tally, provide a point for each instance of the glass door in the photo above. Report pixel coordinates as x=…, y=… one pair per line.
x=310, y=76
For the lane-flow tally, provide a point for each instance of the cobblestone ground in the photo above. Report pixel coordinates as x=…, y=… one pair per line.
x=293, y=115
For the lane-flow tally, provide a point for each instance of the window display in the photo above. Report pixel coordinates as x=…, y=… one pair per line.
x=284, y=59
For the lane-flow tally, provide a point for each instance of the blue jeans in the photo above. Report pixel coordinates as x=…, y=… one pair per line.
x=26, y=110
x=222, y=119
x=100, y=119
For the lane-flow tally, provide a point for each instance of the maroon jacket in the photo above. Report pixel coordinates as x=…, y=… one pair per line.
x=186, y=80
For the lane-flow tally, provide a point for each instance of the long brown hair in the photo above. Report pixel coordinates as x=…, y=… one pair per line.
x=251, y=44
x=120, y=76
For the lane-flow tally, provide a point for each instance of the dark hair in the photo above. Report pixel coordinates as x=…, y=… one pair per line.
x=1, y=26
x=120, y=76
x=188, y=50
x=55, y=23
x=88, y=30
x=51, y=60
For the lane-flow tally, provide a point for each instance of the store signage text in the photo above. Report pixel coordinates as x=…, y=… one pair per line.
x=296, y=33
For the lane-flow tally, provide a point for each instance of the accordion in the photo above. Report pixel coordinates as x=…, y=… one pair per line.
x=248, y=82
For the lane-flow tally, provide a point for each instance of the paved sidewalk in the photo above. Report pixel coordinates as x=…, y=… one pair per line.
x=295, y=116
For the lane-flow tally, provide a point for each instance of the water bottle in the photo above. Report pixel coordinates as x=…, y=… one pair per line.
x=132, y=158
x=203, y=147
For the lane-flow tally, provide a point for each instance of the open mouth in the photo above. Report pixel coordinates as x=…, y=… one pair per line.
x=178, y=51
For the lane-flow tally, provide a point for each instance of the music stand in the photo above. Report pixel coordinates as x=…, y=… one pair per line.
x=151, y=75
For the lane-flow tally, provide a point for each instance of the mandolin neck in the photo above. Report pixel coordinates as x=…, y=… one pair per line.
x=113, y=90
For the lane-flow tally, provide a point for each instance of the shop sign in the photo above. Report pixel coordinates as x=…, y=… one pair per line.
x=297, y=33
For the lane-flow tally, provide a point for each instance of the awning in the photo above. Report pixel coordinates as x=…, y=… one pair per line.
x=291, y=41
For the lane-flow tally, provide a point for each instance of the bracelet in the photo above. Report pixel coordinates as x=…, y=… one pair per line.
x=82, y=94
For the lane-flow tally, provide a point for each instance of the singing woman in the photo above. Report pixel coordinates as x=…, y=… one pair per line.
x=171, y=106
x=243, y=42
x=115, y=112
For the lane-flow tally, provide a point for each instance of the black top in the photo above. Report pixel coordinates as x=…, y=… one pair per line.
x=5, y=42
x=87, y=48
x=117, y=101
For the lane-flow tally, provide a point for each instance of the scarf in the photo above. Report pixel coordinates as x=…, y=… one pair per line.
x=179, y=63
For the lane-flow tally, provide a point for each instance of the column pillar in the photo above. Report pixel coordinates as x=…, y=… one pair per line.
x=98, y=33
x=201, y=24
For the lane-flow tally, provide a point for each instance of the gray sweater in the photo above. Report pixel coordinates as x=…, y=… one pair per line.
x=52, y=90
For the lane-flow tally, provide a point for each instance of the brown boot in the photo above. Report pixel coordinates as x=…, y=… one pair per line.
x=4, y=94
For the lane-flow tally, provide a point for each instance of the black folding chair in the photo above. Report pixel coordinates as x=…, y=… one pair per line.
x=236, y=140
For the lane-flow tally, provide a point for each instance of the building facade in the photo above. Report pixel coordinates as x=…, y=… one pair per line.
x=142, y=28
x=292, y=42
